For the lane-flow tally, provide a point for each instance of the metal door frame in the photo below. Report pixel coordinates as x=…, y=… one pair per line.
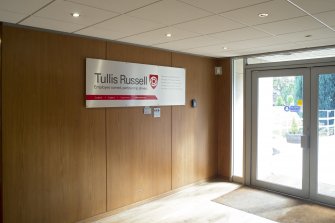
x=306, y=119
x=311, y=64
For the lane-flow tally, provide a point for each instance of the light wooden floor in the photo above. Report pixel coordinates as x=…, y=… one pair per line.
x=192, y=205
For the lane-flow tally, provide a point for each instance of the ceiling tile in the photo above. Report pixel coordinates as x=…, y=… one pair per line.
x=129, y=25
x=194, y=26
x=214, y=49
x=158, y=36
x=52, y=24
x=115, y=5
x=327, y=17
x=218, y=50
x=119, y=27
x=169, y=12
x=228, y=54
x=217, y=54
x=61, y=11
x=284, y=47
x=257, y=50
x=253, y=43
x=277, y=10
x=199, y=54
x=240, y=34
x=315, y=6
x=211, y=24
x=100, y=33
x=308, y=35
x=291, y=25
x=207, y=54
x=12, y=17
x=317, y=43
x=20, y=6
x=217, y=6
x=274, y=48
x=189, y=43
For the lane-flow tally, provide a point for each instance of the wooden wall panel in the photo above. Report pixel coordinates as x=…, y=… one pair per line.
x=223, y=117
x=1, y=182
x=63, y=162
x=194, y=141
x=54, y=167
x=138, y=145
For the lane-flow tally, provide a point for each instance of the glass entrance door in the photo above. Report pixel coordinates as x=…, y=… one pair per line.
x=280, y=129
x=293, y=132
x=323, y=137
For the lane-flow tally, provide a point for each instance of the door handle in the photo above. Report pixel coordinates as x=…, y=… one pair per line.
x=304, y=141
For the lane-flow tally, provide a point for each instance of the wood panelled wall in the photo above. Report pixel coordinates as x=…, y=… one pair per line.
x=138, y=146
x=54, y=150
x=63, y=162
x=1, y=177
x=223, y=118
x=194, y=140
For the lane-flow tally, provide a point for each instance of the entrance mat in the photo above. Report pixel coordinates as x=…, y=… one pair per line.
x=276, y=207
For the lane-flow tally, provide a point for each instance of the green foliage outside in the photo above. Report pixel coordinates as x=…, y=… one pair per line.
x=290, y=100
x=298, y=89
x=294, y=127
x=280, y=101
x=327, y=92
x=287, y=91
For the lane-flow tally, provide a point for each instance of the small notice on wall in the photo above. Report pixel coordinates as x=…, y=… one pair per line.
x=147, y=110
x=121, y=84
x=157, y=112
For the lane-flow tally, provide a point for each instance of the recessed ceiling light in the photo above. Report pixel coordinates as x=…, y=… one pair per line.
x=168, y=35
x=225, y=48
x=75, y=14
x=263, y=15
x=308, y=36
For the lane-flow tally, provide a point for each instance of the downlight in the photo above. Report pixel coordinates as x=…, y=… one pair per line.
x=263, y=15
x=75, y=14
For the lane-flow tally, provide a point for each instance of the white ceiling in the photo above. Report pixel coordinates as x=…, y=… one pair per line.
x=202, y=27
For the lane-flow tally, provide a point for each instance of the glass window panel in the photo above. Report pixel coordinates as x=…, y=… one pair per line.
x=280, y=126
x=238, y=117
x=326, y=137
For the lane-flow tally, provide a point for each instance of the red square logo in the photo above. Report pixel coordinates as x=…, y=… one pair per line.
x=153, y=79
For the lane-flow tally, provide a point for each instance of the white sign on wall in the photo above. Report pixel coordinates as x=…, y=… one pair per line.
x=121, y=84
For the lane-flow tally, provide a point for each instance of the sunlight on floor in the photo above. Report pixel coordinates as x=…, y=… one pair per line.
x=193, y=204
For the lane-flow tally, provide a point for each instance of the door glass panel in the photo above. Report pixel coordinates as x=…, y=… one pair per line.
x=280, y=126
x=326, y=137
